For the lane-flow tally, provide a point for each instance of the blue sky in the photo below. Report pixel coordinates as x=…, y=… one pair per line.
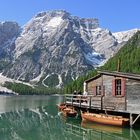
x=116, y=15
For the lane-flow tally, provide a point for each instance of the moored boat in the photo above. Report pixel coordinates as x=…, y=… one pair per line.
x=104, y=119
x=61, y=106
x=69, y=112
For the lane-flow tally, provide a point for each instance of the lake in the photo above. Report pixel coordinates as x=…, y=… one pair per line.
x=37, y=118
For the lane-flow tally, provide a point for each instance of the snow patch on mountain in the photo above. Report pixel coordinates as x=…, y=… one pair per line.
x=94, y=58
x=54, y=22
x=44, y=80
x=6, y=90
x=37, y=79
x=124, y=35
x=4, y=79
x=60, y=81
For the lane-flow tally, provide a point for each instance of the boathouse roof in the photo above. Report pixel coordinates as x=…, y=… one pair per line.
x=115, y=73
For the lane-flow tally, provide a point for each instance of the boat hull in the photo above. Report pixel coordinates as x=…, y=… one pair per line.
x=69, y=112
x=61, y=106
x=105, y=119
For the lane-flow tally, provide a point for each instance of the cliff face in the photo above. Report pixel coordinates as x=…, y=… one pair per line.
x=55, y=46
x=8, y=34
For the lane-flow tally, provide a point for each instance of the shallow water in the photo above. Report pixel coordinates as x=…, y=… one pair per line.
x=37, y=118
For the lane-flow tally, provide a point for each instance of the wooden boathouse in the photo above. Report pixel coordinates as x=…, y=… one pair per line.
x=114, y=92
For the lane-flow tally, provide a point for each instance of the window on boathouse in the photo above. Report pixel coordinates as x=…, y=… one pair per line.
x=118, y=87
x=98, y=90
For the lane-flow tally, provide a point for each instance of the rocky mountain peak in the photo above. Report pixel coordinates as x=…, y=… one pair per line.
x=125, y=35
x=91, y=23
x=55, y=47
x=53, y=13
x=8, y=34
x=8, y=30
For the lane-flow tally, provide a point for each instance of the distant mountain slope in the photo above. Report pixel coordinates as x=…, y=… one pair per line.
x=54, y=48
x=129, y=56
x=8, y=34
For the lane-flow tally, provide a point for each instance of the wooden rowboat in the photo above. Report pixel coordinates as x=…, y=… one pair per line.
x=69, y=112
x=105, y=119
x=61, y=106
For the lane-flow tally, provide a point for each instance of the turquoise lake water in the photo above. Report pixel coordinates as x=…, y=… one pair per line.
x=37, y=118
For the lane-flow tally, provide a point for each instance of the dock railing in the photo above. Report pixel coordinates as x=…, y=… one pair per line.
x=84, y=101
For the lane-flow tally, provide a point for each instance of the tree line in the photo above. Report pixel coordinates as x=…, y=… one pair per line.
x=23, y=89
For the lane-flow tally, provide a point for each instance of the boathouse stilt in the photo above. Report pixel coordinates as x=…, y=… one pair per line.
x=132, y=122
x=136, y=119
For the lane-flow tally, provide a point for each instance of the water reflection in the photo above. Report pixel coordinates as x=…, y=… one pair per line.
x=103, y=128
x=95, y=131
x=37, y=118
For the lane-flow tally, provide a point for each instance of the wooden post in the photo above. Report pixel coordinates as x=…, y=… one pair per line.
x=131, y=120
x=101, y=102
x=85, y=88
x=118, y=66
x=90, y=102
x=136, y=119
x=102, y=96
x=72, y=100
x=80, y=101
x=125, y=108
x=65, y=99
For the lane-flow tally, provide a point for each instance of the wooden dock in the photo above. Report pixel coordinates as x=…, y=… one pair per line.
x=89, y=102
x=92, y=103
x=81, y=101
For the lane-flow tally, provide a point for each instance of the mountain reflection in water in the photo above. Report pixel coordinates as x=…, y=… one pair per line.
x=37, y=118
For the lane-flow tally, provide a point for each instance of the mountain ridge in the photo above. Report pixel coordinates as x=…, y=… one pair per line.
x=55, y=46
x=129, y=59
